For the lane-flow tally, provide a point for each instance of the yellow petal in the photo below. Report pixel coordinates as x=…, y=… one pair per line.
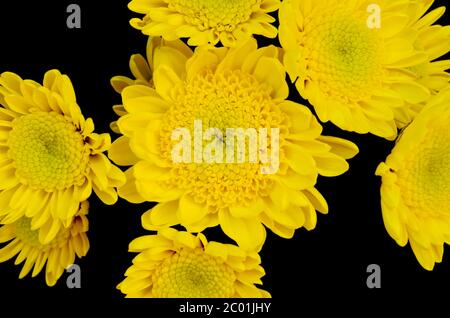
x=393, y=24
x=300, y=161
x=67, y=91
x=11, y=82
x=317, y=200
x=145, y=171
x=341, y=147
x=310, y=217
x=99, y=165
x=216, y=250
x=5, y=199
x=271, y=72
x=330, y=165
x=143, y=99
x=129, y=191
x=18, y=104
x=139, y=68
x=162, y=215
x=28, y=264
x=20, y=197
x=246, y=291
x=39, y=264
x=49, y=231
x=249, y=233
x=291, y=217
x=296, y=181
x=107, y=195
x=148, y=241
x=250, y=210
x=250, y=277
x=116, y=177
x=424, y=255
x=119, y=83
x=190, y=211
x=210, y=220
x=185, y=239
x=6, y=233
x=303, y=125
x=10, y=250
x=165, y=80
x=251, y=59
x=131, y=123
x=234, y=59
x=430, y=18
x=204, y=58
x=43, y=216
x=170, y=58
x=199, y=38
x=412, y=92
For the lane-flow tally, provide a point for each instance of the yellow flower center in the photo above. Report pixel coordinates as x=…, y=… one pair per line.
x=343, y=54
x=193, y=274
x=425, y=177
x=22, y=229
x=225, y=100
x=222, y=15
x=48, y=151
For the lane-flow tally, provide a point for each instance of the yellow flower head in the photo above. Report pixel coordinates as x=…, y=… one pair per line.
x=58, y=254
x=174, y=264
x=205, y=21
x=50, y=158
x=208, y=92
x=358, y=62
x=415, y=187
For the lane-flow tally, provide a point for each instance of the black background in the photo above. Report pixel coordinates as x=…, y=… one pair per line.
x=327, y=263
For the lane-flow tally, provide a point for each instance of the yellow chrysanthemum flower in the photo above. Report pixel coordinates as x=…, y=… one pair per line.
x=174, y=264
x=58, y=254
x=225, y=88
x=415, y=184
x=50, y=158
x=205, y=21
x=357, y=61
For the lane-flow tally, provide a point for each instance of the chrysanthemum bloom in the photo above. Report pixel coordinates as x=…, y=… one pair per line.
x=225, y=88
x=355, y=60
x=174, y=264
x=51, y=159
x=205, y=21
x=415, y=187
x=58, y=254
x=142, y=70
